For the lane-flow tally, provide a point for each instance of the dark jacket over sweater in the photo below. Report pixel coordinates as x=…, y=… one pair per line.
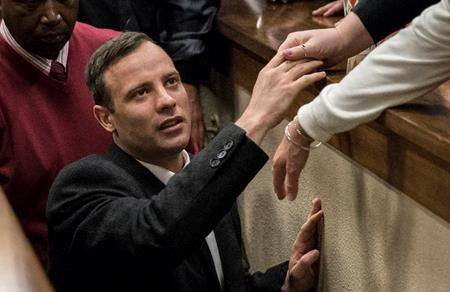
x=114, y=226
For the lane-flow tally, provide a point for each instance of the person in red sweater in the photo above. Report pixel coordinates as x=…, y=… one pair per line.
x=46, y=119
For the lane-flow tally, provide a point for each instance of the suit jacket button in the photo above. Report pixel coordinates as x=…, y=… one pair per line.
x=228, y=145
x=222, y=154
x=214, y=162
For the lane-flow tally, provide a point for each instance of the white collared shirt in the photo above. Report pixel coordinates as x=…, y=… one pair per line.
x=164, y=176
x=42, y=64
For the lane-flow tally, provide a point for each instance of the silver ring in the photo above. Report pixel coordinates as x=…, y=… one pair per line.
x=304, y=49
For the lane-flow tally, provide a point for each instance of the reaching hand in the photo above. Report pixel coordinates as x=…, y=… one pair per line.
x=197, y=126
x=278, y=84
x=300, y=276
x=330, y=9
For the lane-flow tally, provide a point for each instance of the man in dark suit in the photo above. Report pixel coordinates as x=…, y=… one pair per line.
x=144, y=216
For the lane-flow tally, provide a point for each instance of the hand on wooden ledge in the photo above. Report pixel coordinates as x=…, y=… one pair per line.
x=332, y=45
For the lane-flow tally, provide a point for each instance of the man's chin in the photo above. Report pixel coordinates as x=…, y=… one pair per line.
x=49, y=50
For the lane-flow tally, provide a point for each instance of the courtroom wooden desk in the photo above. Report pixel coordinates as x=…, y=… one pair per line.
x=407, y=146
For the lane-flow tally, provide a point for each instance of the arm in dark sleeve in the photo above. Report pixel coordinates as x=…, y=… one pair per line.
x=184, y=27
x=382, y=17
x=96, y=214
x=269, y=281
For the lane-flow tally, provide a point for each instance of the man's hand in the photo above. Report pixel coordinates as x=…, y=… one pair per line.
x=300, y=276
x=197, y=126
x=330, y=9
x=332, y=45
x=278, y=84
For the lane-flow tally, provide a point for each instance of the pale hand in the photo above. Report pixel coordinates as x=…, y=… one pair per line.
x=332, y=45
x=300, y=276
x=277, y=86
x=323, y=44
x=288, y=163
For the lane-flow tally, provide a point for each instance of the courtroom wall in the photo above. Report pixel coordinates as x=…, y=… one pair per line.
x=375, y=237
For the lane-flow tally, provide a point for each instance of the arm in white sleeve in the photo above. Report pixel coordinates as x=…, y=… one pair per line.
x=407, y=66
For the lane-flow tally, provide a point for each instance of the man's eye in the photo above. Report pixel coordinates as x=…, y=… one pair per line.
x=141, y=92
x=172, y=81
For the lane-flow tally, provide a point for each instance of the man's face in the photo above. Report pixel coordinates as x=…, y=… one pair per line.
x=151, y=116
x=41, y=26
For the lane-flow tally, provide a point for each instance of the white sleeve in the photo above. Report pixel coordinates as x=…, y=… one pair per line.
x=407, y=66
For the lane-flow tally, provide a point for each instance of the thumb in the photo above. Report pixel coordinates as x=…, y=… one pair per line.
x=306, y=50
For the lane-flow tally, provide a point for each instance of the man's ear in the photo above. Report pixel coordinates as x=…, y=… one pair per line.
x=103, y=116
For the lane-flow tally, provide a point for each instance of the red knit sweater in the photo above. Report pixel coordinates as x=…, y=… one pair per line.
x=44, y=125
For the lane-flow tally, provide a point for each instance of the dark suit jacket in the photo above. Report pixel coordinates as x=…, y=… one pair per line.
x=113, y=226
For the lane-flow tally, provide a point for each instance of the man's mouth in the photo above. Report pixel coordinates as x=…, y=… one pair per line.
x=53, y=38
x=170, y=123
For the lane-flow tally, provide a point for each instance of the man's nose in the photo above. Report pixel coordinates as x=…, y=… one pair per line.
x=50, y=13
x=165, y=101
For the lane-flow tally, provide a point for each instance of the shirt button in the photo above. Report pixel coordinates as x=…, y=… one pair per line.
x=228, y=145
x=214, y=163
x=222, y=154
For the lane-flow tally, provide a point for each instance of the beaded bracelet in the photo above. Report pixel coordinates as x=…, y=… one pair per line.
x=290, y=139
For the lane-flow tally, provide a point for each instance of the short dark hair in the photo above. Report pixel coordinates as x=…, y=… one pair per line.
x=107, y=55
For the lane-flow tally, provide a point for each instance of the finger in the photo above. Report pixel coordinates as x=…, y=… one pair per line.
x=306, y=237
x=279, y=169
x=303, y=266
x=293, y=169
x=287, y=65
x=321, y=10
x=306, y=233
x=279, y=175
x=300, y=69
x=333, y=10
x=317, y=206
x=276, y=60
x=304, y=50
x=309, y=79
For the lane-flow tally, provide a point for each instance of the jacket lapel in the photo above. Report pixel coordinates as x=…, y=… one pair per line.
x=150, y=183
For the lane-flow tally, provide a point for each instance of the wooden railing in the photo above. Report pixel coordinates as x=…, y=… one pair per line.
x=407, y=146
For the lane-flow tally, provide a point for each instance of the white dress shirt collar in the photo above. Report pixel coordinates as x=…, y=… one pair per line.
x=162, y=173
